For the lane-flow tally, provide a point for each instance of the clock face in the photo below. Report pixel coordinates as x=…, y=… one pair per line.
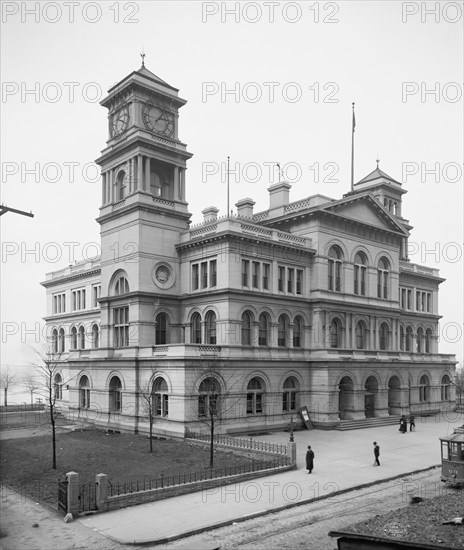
x=159, y=120
x=119, y=121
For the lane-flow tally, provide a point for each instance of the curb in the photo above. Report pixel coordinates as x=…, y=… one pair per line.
x=261, y=513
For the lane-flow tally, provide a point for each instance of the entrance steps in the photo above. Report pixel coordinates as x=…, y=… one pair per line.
x=369, y=422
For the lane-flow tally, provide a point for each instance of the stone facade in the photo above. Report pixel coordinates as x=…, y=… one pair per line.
x=251, y=315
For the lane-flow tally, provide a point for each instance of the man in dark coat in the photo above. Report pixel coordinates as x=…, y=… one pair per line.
x=412, y=422
x=376, y=454
x=403, y=424
x=309, y=459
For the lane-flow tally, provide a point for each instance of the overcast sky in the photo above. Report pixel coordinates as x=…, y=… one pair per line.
x=272, y=82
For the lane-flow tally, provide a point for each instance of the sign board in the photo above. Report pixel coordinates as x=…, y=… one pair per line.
x=305, y=417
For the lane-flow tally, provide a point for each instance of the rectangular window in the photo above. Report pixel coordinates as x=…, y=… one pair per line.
x=281, y=279
x=290, y=280
x=299, y=281
x=204, y=274
x=363, y=281
x=429, y=302
x=266, y=275
x=330, y=275
x=245, y=272
x=409, y=301
x=121, y=327
x=418, y=300
x=213, y=273
x=59, y=303
x=78, y=299
x=255, y=275
x=96, y=293
x=195, y=277
x=356, y=279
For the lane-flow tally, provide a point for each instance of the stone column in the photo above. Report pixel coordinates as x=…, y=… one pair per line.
x=146, y=179
x=139, y=183
x=73, y=493
x=101, y=492
x=182, y=184
x=103, y=188
x=176, y=194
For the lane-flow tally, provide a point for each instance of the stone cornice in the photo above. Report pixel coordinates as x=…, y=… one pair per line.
x=72, y=277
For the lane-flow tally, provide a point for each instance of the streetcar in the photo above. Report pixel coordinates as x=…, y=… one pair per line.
x=452, y=457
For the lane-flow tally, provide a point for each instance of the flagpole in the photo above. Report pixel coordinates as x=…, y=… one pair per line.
x=352, y=151
x=228, y=211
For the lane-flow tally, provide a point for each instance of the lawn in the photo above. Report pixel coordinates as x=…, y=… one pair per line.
x=26, y=462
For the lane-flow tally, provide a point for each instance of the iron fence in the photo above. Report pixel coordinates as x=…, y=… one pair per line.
x=164, y=481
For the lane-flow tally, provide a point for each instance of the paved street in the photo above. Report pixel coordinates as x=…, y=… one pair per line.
x=343, y=460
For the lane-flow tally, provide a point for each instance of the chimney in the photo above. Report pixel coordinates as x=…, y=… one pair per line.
x=279, y=194
x=245, y=208
x=210, y=214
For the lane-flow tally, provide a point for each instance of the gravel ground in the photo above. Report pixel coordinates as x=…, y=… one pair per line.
x=421, y=523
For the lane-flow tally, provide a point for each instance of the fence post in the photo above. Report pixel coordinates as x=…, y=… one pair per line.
x=291, y=450
x=101, y=492
x=73, y=493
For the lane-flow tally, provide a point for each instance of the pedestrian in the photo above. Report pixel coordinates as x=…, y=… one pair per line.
x=403, y=424
x=376, y=454
x=412, y=422
x=309, y=459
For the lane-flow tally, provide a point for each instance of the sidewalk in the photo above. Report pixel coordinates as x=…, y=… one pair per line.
x=343, y=460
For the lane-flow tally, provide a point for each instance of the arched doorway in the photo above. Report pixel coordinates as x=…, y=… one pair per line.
x=346, y=398
x=394, y=395
x=371, y=388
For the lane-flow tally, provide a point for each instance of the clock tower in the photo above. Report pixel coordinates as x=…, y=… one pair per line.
x=143, y=209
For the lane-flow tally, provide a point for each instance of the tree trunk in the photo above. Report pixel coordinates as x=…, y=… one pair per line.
x=52, y=421
x=32, y=397
x=151, y=434
x=211, y=446
x=5, y=398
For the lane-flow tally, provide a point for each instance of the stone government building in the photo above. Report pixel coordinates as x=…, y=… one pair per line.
x=309, y=303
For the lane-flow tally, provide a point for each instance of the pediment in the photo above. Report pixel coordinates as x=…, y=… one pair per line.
x=365, y=209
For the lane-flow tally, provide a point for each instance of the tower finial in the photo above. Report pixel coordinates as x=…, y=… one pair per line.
x=142, y=55
x=377, y=161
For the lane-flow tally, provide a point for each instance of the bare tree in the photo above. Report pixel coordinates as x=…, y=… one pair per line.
x=32, y=384
x=50, y=381
x=7, y=379
x=459, y=382
x=215, y=397
x=149, y=402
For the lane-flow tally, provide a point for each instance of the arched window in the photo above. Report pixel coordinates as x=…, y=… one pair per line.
x=282, y=331
x=58, y=386
x=360, y=269
x=81, y=338
x=297, y=332
x=263, y=330
x=424, y=388
x=211, y=328
x=384, y=343
x=428, y=341
x=121, y=286
x=335, y=268
x=445, y=388
x=55, y=341
x=209, y=398
x=402, y=339
x=255, y=396
x=408, y=339
x=115, y=393
x=95, y=336
x=246, y=328
x=335, y=333
x=61, y=341
x=120, y=186
x=361, y=335
x=161, y=397
x=161, y=329
x=84, y=392
x=195, y=329
x=382, y=278
x=290, y=395
x=420, y=340
x=74, y=338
